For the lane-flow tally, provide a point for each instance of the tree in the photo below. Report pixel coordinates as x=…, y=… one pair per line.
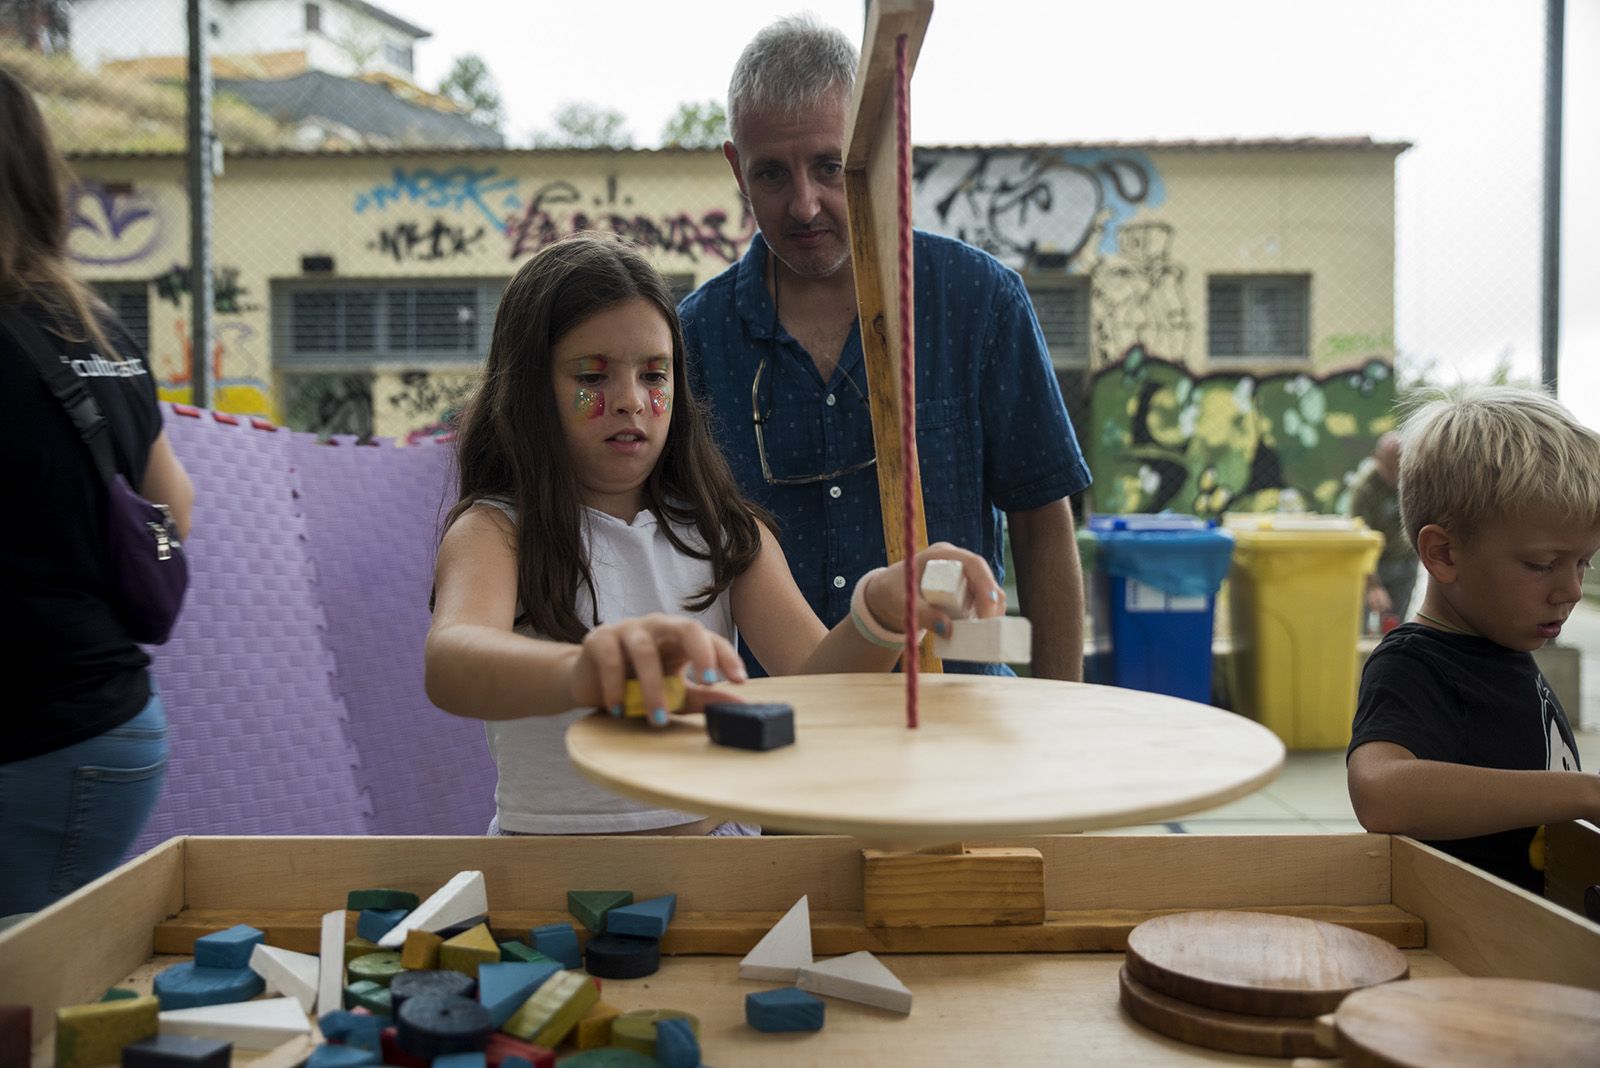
x=583, y=124
x=473, y=88
x=696, y=125
x=41, y=25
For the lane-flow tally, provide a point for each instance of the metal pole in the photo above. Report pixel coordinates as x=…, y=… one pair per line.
x=1550, y=250
x=201, y=158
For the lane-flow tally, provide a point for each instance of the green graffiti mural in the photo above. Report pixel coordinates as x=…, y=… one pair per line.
x=1163, y=438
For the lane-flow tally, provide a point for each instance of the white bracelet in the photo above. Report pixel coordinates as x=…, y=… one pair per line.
x=868, y=627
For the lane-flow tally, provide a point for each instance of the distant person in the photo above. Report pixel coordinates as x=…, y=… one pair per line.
x=775, y=351
x=1375, y=499
x=1458, y=739
x=83, y=747
x=598, y=536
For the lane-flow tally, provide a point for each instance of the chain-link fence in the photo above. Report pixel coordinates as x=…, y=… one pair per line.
x=1222, y=314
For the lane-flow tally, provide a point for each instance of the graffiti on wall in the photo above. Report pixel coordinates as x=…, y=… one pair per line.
x=238, y=369
x=1137, y=295
x=481, y=189
x=330, y=404
x=113, y=223
x=1161, y=437
x=426, y=243
x=228, y=294
x=559, y=208
x=432, y=397
x=1032, y=208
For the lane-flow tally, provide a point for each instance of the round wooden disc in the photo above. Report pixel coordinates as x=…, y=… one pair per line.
x=992, y=757
x=1470, y=1023
x=1259, y=962
x=1262, y=1036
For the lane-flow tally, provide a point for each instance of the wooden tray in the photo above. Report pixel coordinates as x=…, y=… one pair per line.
x=1258, y=963
x=992, y=757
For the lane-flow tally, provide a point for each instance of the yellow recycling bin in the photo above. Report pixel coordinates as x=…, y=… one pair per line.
x=1295, y=602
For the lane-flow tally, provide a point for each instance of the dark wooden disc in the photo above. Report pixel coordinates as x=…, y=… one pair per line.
x=1470, y=1023
x=1234, y=1032
x=1258, y=963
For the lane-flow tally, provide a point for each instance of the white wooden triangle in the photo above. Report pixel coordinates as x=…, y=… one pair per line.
x=247, y=1024
x=784, y=950
x=287, y=972
x=856, y=977
x=330, y=977
x=462, y=898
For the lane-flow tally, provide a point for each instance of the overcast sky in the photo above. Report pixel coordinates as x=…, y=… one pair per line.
x=1461, y=79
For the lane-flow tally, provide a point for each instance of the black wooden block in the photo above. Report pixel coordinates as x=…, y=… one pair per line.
x=16, y=1036
x=750, y=726
x=614, y=956
x=176, y=1051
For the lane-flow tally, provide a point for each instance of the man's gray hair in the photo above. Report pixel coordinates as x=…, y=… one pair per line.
x=788, y=67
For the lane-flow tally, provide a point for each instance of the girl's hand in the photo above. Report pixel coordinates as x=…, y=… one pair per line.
x=649, y=648
x=885, y=594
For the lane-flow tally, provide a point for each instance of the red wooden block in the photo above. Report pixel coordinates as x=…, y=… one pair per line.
x=502, y=1045
x=393, y=1054
x=16, y=1036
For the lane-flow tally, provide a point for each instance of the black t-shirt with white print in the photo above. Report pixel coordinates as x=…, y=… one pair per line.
x=1463, y=699
x=69, y=669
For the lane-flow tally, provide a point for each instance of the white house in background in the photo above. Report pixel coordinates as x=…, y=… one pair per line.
x=340, y=37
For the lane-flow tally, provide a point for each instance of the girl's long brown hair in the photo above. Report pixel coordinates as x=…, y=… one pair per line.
x=34, y=182
x=510, y=443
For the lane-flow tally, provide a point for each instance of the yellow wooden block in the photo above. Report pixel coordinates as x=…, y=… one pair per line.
x=971, y=888
x=554, y=1009
x=356, y=946
x=421, y=950
x=467, y=950
x=633, y=697
x=94, y=1034
x=594, y=1030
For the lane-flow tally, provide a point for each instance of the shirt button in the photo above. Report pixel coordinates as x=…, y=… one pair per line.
x=834, y=491
x=831, y=400
x=838, y=582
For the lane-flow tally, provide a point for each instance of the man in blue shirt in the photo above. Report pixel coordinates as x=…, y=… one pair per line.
x=774, y=349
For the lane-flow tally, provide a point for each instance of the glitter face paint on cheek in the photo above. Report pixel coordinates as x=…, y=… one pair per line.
x=660, y=402
x=589, y=403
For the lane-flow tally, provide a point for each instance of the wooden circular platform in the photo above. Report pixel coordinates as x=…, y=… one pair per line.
x=992, y=757
x=1258, y=963
x=1234, y=1032
x=1470, y=1023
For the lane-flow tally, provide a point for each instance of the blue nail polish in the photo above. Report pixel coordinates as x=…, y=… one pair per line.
x=710, y=675
x=941, y=628
x=994, y=595
x=616, y=710
x=659, y=717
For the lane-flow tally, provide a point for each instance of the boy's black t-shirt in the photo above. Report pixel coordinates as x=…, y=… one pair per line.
x=1466, y=700
x=71, y=670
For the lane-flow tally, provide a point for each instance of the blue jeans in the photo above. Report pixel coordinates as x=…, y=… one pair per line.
x=67, y=817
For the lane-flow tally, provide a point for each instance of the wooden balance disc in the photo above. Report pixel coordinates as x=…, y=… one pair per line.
x=1235, y=1032
x=1258, y=963
x=993, y=757
x=1470, y=1023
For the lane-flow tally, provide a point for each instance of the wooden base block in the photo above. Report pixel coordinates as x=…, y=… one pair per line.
x=1235, y=1032
x=976, y=887
x=94, y=1034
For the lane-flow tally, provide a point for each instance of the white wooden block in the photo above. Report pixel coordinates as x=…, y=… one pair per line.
x=784, y=950
x=330, y=975
x=287, y=972
x=944, y=585
x=247, y=1024
x=462, y=898
x=857, y=977
x=997, y=640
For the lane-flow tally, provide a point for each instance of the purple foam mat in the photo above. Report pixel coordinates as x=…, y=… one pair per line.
x=258, y=733
x=372, y=522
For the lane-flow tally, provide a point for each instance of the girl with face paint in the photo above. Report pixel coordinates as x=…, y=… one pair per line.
x=598, y=537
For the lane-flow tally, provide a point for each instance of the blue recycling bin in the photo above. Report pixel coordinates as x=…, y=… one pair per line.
x=1155, y=588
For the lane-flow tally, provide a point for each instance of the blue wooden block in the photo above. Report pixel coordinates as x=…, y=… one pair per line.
x=645, y=919
x=759, y=727
x=789, y=1009
x=373, y=924
x=177, y=1051
x=502, y=988
x=515, y=1062
x=676, y=1046
x=227, y=949
x=461, y=1060
x=558, y=941
x=329, y=1055
x=363, y=1030
x=186, y=986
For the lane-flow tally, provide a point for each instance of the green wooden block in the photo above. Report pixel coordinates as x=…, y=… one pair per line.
x=365, y=993
x=360, y=947
x=381, y=899
x=610, y=1057
x=87, y=1035
x=521, y=951
x=119, y=993
x=379, y=967
x=554, y=1009
x=636, y=1030
x=589, y=907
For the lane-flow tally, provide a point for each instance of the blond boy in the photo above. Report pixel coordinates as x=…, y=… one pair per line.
x=1458, y=739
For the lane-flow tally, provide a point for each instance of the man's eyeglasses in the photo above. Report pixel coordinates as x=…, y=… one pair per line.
x=760, y=415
